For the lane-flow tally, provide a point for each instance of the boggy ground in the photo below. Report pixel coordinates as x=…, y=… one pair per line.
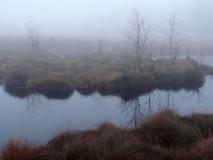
x=163, y=136
x=58, y=77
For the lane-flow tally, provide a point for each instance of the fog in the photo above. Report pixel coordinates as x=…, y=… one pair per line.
x=101, y=19
x=86, y=71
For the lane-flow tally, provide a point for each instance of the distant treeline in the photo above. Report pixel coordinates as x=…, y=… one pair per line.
x=65, y=46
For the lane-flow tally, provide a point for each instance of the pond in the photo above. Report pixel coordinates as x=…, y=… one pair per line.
x=37, y=118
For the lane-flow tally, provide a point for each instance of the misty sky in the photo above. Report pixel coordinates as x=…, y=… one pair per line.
x=103, y=18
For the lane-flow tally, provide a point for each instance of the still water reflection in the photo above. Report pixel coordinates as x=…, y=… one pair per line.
x=37, y=119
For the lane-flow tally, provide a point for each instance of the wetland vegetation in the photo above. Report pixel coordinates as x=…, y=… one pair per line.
x=162, y=136
x=57, y=77
x=79, y=86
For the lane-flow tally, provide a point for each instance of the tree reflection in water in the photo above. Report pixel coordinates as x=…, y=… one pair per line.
x=138, y=109
x=33, y=102
x=142, y=107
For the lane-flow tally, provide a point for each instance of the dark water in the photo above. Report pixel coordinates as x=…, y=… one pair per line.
x=37, y=119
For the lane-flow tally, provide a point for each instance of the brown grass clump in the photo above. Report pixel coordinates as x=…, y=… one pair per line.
x=128, y=85
x=15, y=79
x=193, y=78
x=164, y=129
x=52, y=87
x=83, y=152
x=203, y=123
x=85, y=84
x=204, y=149
x=16, y=83
x=104, y=141
x=76, y=146
x=19, y=150
x=59, y=140
x=106, y=126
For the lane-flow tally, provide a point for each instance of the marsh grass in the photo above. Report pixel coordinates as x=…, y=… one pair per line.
x=164, y=129
x=23, y=150
x=107, y=74
x=163, y=136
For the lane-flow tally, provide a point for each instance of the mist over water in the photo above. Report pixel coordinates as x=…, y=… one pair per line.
x=106, y=79
x=103, y=19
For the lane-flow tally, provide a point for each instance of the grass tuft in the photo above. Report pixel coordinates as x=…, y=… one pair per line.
x=163, y=136
x=164, y=129
x=19, y=150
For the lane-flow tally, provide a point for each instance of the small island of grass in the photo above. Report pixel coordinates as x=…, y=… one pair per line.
x=57, y=77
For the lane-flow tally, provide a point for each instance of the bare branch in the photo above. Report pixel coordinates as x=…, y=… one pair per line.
x=172, y=35
x=33, y=38
x=138, y=34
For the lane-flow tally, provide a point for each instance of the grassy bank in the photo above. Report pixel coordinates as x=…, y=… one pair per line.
x=108, y=74
x=164, y=136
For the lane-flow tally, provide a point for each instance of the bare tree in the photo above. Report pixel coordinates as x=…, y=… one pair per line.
x=33, y=38
x=172, y=35
x=139, y=35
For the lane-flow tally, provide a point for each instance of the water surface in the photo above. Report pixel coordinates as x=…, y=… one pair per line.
x=37, y=119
